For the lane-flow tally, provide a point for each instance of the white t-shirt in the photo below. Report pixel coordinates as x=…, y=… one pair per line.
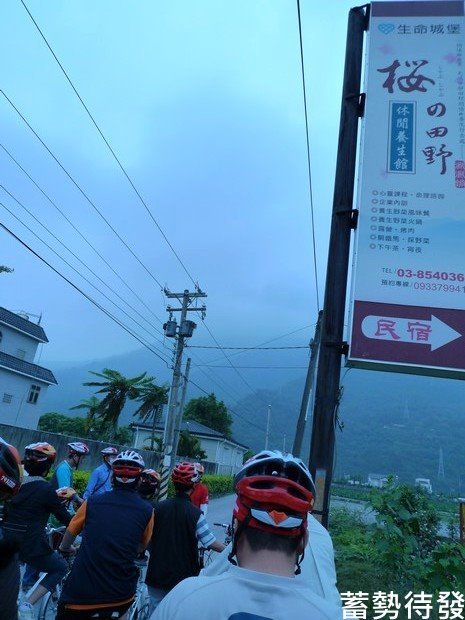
x=318, y=569
x=242, y=594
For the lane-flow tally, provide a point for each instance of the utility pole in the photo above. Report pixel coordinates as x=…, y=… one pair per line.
x=344, y=220
x=301, y=422
x=180, y=411
x=172, y=330
x=267, y=435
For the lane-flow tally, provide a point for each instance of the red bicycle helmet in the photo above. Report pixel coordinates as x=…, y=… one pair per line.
x=185, y=474
x=149, y=482
x=10, y=470
x=40, y=452
x=275, y=493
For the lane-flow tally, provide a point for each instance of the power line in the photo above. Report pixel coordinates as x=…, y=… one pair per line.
x=245, y=348
x=83, y=237
x=295, y=331
x=92, y=301
x=71, y=266
x=78, y=259
x=255, y=367
x=122, y=168
x=76, y=184
x=308, y=155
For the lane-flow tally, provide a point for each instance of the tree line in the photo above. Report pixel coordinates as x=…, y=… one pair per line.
x=103, y=411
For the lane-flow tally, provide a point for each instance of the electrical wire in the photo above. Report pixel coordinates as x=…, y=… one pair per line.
x=73, y=268
x=78, y=259
x=83, y=237
x=79, y=290
x=302, y=64
x=256, y=367
x=245, y=348
x=76, y=184
x=115, y=157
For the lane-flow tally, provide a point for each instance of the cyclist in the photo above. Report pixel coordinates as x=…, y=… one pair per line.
x=63, y=475
x=27, y=516
x=199, y=495
x=100, y=479
x=178, y=527
x=149, y=484
x=318, y=567
x=115, y=526
x=274, y=495
x=10, y=481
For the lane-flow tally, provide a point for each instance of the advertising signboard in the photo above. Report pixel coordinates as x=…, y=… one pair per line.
x=408, y=285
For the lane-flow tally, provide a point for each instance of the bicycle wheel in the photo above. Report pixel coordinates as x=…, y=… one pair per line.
x=49, y=605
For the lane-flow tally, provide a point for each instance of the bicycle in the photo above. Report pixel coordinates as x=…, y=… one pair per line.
x=140, y=608
x=227, y=532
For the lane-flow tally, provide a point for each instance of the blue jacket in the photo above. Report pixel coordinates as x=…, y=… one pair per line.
x=99, y=482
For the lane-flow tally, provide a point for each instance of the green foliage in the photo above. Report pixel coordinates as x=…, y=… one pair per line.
x=402, y=552
x=189, y=446
x=116, y=389
x=217, y=485
x=152, y=398
x=5, y=269
x=78, y=427
x=211, y=412
x=80, y=480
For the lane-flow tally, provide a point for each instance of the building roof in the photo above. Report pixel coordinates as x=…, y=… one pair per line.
x=22, y=325
x=193, y=427
x=25, y=368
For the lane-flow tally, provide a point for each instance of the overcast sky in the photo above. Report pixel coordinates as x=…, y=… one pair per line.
x=202, y=102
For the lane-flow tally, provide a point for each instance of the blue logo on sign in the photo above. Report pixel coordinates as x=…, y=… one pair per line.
x=386, y=28
x=401, y=141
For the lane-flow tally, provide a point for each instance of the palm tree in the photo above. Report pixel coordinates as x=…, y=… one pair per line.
x=152, y=397
x=92, y=405
x=117, y=390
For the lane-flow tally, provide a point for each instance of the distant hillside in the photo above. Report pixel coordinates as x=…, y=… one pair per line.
x=391, y=422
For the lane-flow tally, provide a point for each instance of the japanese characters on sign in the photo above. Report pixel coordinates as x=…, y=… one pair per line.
x=408, y=285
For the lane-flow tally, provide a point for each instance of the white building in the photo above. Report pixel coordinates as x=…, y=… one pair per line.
x=377, y=480
x=23, y=384
x=424, y=483
x=227, y=454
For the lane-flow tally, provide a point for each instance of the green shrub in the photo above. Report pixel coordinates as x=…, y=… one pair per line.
x=80, y=480
x=217, y=485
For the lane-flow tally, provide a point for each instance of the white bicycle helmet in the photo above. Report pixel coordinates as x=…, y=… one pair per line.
x=277, y=463
x=127, y=467
x=78, y=447
x=110, y=451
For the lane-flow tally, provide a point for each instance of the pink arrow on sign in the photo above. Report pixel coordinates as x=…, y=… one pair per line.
x=435, y=333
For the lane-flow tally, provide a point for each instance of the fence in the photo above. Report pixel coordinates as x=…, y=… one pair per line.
x=21, y=437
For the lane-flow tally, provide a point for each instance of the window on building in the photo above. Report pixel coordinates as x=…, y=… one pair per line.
x=21, y=353
x=33, y=394
x=7, y=398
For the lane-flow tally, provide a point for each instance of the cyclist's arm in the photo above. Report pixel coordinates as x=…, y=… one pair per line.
x=57, y=508
x=93, y=482
x=147, y=535
x=204, y=508
x=75, y=527
x=206, y=537
x=63, y=475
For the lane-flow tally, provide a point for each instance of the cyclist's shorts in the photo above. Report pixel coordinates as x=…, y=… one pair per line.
x=97, y=613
